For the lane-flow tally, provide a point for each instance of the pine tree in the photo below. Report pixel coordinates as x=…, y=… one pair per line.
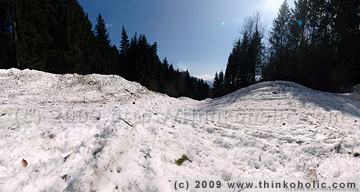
x=221, y=78
x=232, y=68
x=346, y=31
x=104, y=65
x=101, y=32
x=256, y=51
x=243, y=62
x=280, y=30
x=216, y=81
x=298, y=40
x=279, y=40
x=124, y=43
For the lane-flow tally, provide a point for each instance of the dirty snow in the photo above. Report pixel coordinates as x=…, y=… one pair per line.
x=103, y=133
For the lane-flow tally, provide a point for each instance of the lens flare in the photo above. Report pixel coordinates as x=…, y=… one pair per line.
x=270, y=6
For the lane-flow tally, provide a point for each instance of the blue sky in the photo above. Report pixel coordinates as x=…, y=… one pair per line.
x=197, y=35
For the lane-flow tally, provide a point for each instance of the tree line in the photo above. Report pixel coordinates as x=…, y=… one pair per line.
x=245, y=60
x=57, y=37
x=316, y=44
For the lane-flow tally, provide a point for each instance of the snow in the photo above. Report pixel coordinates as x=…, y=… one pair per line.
x=104, y=133
x=208, y=79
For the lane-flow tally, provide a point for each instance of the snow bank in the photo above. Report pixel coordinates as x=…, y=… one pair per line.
x=103, y=133
x=355, y=94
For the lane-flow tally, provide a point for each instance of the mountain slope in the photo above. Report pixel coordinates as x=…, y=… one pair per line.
x=103, y=133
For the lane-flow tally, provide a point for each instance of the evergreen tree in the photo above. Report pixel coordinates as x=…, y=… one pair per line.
x=256, y=52
x=124, y=43
x=216, y=81
x=297, y=40
x=321, y=51
x=232, y=68
x=243, y=62
x=104, y=46
x=101, y=32
x=346, y=32
x=279, y=41
x=221, y=78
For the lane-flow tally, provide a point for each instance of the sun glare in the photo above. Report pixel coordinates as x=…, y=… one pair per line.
x=271, y=6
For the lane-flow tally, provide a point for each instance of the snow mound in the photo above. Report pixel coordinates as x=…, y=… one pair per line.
x=103, y=133
x=355, y=94
x=69, y=87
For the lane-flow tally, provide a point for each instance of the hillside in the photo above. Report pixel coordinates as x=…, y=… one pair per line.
x=104, y=133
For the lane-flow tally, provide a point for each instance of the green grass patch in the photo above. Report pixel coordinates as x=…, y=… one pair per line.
x=182, y=160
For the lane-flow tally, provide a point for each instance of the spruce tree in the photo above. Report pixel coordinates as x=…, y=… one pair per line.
x=101, y=32
x=279, y=42
x=216, y=81
x=221, y=78
x=104, y=64
x=124, y=43
x=256, y=51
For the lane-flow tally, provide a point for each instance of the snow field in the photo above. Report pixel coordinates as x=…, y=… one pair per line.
x=103, y=133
